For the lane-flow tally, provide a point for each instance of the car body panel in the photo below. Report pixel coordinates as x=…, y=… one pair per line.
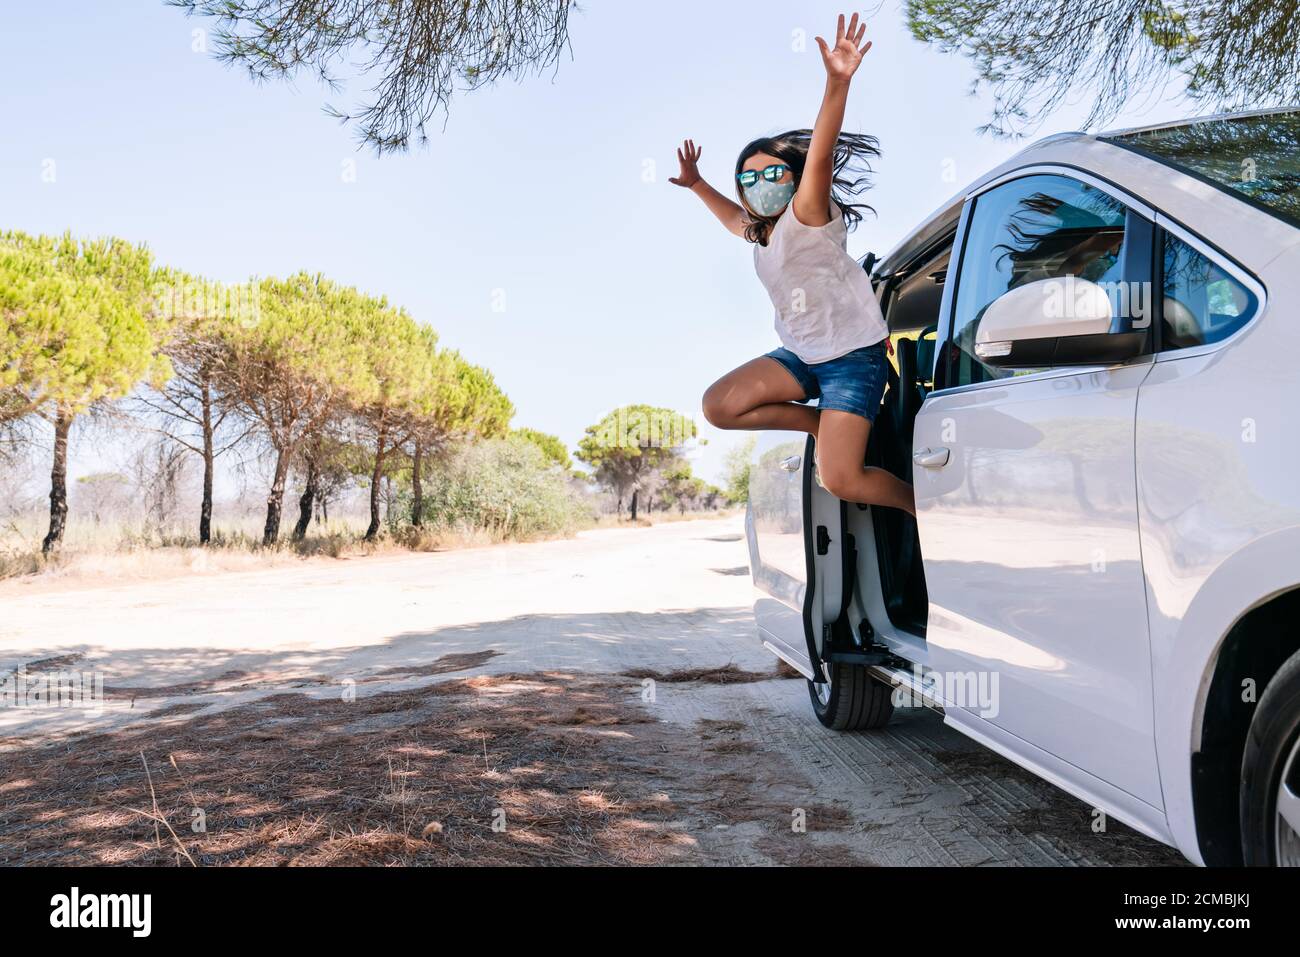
x=1033, y=564
x=1095, y=792
x=1219, y=507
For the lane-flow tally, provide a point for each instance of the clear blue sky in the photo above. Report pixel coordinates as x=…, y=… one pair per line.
x=618, y=287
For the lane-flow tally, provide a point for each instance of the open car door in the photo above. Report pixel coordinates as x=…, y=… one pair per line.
x=1026, y=494
x=793, y=528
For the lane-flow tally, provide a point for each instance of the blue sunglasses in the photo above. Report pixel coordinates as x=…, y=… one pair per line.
x=773, y=173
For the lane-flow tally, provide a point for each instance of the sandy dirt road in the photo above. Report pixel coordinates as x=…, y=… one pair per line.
x=737, y=761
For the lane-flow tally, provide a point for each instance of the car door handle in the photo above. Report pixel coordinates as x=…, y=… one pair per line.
x=791, y=464
x=931, y=458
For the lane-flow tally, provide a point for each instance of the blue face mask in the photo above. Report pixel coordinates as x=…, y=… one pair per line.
x=768, y=199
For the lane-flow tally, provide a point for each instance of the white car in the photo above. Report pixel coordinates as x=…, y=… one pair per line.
x=1098, y=354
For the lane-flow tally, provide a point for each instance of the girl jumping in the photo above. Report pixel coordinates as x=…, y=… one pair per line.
x=794, y=192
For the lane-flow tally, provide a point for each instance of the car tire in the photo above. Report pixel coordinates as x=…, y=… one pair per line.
x=1270, y=774
x=852, y=700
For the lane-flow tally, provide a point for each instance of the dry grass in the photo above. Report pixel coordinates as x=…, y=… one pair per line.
x=73, y=566
x=786, y=670
x=728, y=674
x=575, y=767
x=92, y=554
x=444, y=538
x=573, y=763
x=662, y=518
x=797, y=850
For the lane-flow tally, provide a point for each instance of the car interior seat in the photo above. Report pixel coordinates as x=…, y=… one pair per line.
x=1182, y=327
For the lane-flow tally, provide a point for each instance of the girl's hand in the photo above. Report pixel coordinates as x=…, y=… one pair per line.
x=843, y=60
x=728, y=211
x=687, y=156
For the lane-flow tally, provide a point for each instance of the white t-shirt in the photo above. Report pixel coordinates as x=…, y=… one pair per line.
x=825, y=307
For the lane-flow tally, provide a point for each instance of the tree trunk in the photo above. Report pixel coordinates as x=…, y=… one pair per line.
x=635, y=493
x=305, y=503
x=205, y=510
x=376, y=477
x=275, y=499
x=58, y=482
x=417, y=486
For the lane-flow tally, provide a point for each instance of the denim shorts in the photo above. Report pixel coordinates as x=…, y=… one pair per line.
x=852, y=383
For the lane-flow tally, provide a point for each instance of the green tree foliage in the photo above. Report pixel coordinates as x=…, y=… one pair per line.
x=465, y=402
x=628, y=448
x=505, y=486
x=293, y=368
x=1033, y=55
x=77, y=323
x=416, y=54
x=331, y=381
x=78, y=328
x=681, y=488
x=193, y=411
x=551, y=445
x=397, y=387
x=482, y=409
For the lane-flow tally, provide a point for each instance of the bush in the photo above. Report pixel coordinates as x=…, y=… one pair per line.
x=15, y=562
x=501, y=489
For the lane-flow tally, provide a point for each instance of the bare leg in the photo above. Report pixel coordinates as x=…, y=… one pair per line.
x=761, y=394
x=841, y=448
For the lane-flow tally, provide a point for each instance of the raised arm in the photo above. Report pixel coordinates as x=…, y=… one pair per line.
x=729, y=212
x=812, y=202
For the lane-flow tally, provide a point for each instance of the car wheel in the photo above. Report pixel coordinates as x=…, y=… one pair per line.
x=1270, y=774
x=850, y=700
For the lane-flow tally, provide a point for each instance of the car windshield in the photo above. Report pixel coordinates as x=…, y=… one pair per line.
x=1255, y=157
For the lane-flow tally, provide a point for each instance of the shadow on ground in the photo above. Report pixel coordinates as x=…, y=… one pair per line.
x=549, y=768
x=573, y=738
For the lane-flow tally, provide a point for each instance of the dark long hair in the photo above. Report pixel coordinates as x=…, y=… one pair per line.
x=852, y=174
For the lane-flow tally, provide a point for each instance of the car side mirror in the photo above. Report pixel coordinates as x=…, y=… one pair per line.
x=1062, y=321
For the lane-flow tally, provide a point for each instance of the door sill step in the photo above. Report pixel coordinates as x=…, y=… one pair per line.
x=798, y=662
x=906, y=679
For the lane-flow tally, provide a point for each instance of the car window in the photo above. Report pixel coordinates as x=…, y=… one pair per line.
x=1036, y=227
x=1201, y=304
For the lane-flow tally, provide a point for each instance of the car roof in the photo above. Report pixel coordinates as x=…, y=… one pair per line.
x=1257, y=238
x=1194, y=120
